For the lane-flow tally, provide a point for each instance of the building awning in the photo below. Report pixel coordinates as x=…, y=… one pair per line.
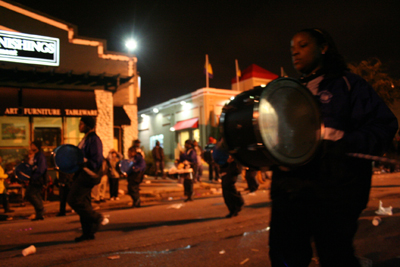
x=66, y=80
x=186, y=124
x=120, y=117
x=45, y=102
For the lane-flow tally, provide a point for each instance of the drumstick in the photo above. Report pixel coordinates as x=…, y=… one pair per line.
x=375, y=158
x=23, y=174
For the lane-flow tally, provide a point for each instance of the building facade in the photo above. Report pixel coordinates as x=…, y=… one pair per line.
x=193, y=116
x=50, y=77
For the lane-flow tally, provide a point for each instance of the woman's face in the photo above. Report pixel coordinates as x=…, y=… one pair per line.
x=82, y=127
x=307, y=55
x=34, y=149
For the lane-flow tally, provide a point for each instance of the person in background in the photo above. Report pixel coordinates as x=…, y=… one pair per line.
x=114, y=158
x=158, y=157
x=135, y=176
x=64, y=185
x=85, y=178
x=37, y=180
x=229, y=171
x=323, y=199
x=99, y=191
x=189, y=157
x=207, y=154
x=3, y=189
x=136, y=145
x=199, y=153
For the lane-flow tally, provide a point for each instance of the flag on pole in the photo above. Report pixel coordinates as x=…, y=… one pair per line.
x=208, y=70
x=238, y=74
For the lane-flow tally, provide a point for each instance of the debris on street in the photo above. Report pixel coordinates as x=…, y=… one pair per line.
x=376, y=221
x=29, y=251
x=243, y=262
x=384, y=211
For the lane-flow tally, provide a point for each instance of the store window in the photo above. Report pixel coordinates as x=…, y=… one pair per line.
x=47, y=130
x=196, y=135
x=183, y=136
x=14, y=132
x=154, y=138
x=71, y=131
x=14, y=140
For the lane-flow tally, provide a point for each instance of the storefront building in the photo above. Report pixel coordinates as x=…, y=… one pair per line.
x=50, y=77
x=193, y=116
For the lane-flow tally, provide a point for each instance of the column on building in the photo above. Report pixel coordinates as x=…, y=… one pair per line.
x=130, y=132
x=105, y=119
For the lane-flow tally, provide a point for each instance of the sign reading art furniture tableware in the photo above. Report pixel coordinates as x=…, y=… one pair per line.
x=30, y=49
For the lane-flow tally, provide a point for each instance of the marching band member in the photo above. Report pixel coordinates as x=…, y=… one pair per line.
x=37, y=180
x=84, y=180
x=323, y=199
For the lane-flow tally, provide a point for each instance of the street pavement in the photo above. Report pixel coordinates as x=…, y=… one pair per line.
x=157, y=228
x=152, y=192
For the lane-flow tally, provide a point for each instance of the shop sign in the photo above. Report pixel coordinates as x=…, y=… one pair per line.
x=29, y=48
x=50, y=112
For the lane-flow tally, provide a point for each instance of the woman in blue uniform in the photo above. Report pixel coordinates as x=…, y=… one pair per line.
x=135, y=176
x=323, y=199
x=189, y=156
x=37, y=180
x=79, y=197
x=229, y=171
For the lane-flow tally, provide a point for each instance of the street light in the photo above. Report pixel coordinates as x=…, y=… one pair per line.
x=131, y=44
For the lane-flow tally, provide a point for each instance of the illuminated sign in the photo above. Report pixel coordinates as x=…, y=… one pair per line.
x=29, y=48
x=51, y=112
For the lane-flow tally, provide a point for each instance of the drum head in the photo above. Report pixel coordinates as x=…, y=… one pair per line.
x=125, y=166
x=23, y=171
x=67, y=158
x=289, y=123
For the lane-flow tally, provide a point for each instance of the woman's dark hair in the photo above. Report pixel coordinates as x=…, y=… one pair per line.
x=333, y=62
x=189, y=142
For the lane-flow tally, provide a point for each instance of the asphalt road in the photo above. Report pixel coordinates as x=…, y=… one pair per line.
x=188, y=234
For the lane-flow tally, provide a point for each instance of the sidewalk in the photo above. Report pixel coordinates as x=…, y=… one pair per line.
x=152, y=192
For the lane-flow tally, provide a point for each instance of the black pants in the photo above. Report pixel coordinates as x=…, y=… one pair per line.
x=33, y=195
x=64, y=191
x=252, y=183
x=188, y=186
x=134, y=181
x=213, y=168
x=295, y=223
x=321, y=202
x=114, y=183
x=4, y=197
x=233, y=199
x=79, y=198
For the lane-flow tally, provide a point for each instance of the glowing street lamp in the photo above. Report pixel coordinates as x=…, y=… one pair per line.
x=131, y=44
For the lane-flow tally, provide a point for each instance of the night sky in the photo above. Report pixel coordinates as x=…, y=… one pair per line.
x=174, y=36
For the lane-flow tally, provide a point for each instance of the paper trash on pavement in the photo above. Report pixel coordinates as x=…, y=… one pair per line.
x=384, y=211
x=114, y=257
x=29, y=251
x=176, y=206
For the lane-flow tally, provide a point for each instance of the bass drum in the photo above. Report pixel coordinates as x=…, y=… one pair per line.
x=67, y=158
x=125, y=166
x=23, y=171
x=279, y=124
